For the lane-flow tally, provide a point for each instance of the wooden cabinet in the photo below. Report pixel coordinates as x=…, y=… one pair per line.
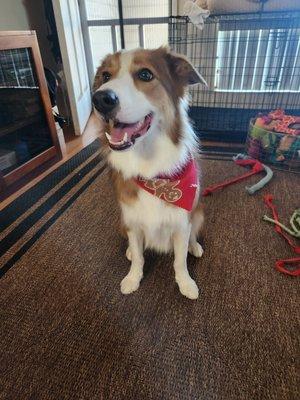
x=28, y=136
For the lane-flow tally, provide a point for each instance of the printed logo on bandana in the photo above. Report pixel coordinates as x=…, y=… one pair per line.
x=179, y=190
x=164, y=189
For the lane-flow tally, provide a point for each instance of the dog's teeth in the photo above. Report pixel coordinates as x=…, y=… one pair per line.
x=111, y=123
x=108, y=136
x=125, y=138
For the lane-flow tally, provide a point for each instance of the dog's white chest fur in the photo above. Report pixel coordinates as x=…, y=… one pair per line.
x=156, y=220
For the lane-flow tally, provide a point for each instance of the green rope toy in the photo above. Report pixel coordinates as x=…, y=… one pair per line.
x=294, y=222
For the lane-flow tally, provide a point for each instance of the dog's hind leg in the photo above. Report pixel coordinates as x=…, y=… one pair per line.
x=123, y=232
x=187, y=285
x=197, y=220
x=195, y=248
x=131, y=282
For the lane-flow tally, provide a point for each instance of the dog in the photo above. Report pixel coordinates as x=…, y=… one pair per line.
x=142, y=98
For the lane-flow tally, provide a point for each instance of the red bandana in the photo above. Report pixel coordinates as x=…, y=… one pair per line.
x=180, y=189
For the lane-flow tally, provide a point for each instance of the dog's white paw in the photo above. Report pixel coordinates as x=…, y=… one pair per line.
x=196, y=250
x=130, y=284
x=128, y=254
x=188, y=288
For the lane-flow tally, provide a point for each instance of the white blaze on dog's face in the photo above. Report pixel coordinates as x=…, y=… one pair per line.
x=139, y=89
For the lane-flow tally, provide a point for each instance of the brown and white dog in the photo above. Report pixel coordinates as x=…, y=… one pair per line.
x=141, y=95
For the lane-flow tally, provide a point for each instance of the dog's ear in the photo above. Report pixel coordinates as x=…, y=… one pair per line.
x=184, y=70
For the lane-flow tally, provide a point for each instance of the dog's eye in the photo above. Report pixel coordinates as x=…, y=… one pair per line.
x=106, y=76
x=145, y=75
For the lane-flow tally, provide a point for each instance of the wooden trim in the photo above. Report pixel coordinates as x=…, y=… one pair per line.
x=27, y=167
x=16, y=33
x=17, y=41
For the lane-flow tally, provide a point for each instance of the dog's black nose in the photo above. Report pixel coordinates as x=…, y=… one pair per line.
x=105, y=101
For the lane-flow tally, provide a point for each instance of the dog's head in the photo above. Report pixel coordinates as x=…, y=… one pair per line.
x=138, y=89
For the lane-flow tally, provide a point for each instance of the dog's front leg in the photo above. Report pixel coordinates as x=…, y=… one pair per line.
x=187, y=285
x=131, y=282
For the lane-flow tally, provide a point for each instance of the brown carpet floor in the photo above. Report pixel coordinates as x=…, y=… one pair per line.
x=68, y=333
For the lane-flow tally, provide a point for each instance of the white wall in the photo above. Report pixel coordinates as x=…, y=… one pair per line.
x=20, y=15
x=13, y=16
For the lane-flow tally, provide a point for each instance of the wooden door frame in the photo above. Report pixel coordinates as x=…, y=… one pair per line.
x=27, y=39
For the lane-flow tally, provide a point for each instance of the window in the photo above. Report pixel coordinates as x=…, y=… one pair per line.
x=258, y=60
x=145, y=25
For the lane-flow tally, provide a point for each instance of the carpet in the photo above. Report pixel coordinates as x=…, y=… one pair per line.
x=48, y=198
x=68, y=333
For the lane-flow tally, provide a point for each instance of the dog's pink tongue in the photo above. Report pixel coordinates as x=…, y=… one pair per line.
x=117, y=132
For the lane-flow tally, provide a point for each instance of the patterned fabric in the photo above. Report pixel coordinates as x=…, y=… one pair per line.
x=180, y=189
x=282, y=122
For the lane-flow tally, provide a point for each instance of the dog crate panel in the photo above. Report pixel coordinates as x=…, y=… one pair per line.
x=251, y=63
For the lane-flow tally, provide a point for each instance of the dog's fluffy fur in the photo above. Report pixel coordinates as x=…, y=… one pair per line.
x=148, y=221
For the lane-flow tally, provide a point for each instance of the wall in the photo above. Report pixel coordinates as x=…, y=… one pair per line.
x=13, y=15
x=27, y=15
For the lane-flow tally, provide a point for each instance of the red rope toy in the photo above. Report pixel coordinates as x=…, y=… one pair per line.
x=281, y=265
x=256, y=167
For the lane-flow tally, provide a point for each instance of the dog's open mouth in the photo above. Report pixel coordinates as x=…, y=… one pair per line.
x=122, y=136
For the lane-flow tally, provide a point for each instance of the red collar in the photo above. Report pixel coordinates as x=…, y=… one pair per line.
x=179, y=190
